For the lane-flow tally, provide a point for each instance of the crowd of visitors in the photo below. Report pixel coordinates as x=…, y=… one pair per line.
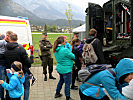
x=11, y=51
x=71, y=58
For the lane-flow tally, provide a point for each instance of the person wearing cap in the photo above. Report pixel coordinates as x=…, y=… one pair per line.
x=17, y=78
x=75, y=36
x=46, y=58
x=67, y=45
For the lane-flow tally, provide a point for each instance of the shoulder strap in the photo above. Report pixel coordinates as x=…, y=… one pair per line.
x=93, y=41
x=112, y=72
x=93, y=84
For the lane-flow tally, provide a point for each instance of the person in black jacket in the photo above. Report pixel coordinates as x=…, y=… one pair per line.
x=15, y=52
x=77, y=65
x=97, y=45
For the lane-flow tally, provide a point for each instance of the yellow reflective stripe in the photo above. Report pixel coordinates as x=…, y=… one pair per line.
x=27, y=47
x=109, y=28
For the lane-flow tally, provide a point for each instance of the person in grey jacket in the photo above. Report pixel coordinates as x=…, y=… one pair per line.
x=2, y=63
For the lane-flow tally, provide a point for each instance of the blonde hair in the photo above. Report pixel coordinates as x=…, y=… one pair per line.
x=19, y=66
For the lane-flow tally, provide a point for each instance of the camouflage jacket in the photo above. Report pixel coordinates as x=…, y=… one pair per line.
x=45, y=47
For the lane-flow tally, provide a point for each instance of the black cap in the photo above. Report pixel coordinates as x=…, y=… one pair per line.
x=44, y=33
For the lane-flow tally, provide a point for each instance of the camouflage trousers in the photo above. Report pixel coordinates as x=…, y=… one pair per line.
x=47, y=61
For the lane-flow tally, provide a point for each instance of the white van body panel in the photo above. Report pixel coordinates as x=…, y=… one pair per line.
x=19, y=26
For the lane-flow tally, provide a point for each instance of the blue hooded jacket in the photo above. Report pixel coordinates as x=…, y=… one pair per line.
x=105, y=78
x=67, y=45
x=15, y=86
x=64, y=59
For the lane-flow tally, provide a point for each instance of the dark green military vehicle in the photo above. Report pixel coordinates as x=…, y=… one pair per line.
x=113, y=23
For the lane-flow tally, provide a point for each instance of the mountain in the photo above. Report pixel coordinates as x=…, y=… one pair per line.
x=51, y=9
x=10, y=8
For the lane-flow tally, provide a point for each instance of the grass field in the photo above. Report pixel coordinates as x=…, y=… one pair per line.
x=51, y=38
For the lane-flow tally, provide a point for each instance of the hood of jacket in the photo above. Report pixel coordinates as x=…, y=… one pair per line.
x=59, y=47
x=22, y=80
x=125, y=66
x=11, y=45
x=90, y=39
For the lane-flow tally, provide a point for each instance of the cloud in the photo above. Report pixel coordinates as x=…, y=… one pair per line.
x=83, y=4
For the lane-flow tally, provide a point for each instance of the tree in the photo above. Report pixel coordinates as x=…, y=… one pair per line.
x=69, y=16
x=45, y=29
x=54, y=28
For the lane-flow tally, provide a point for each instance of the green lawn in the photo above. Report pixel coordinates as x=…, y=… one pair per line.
x=51, y=38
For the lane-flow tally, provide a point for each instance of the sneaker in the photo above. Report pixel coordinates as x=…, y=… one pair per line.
x=74, y=87
x=57, y=95
x=51, y=77
x=45, y=78
x=33, y=81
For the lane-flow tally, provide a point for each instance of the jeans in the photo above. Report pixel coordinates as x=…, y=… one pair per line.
x=26, y=87
x=2, y=77
x=67, y=79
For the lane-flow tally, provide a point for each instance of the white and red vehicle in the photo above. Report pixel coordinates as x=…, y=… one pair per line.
x=20, y=26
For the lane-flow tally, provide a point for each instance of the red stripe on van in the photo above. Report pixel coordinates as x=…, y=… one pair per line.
x=12, y=20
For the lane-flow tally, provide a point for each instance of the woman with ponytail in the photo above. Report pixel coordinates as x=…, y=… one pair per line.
x=64, y=66
x=16, y=80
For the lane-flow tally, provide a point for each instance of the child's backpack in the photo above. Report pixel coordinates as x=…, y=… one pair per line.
x=85, y=73
x=89, y=54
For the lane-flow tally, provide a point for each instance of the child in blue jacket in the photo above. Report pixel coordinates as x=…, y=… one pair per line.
x=16, y=80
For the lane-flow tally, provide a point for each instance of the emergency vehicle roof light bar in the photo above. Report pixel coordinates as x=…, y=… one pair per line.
x=26, y=18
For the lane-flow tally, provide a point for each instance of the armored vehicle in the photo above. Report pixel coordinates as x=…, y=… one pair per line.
x=113, y=23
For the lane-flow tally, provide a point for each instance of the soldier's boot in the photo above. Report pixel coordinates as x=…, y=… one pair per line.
x=45, y=77
x=51, y=77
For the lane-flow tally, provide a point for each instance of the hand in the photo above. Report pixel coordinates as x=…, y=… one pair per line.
x=1, y=81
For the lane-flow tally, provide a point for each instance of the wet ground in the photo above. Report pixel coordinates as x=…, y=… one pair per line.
x=45, y=90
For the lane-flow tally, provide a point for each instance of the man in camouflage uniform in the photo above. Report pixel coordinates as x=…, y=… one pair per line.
x=46, y=58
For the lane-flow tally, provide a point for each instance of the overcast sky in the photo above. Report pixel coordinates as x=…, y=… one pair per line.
x=84, y=3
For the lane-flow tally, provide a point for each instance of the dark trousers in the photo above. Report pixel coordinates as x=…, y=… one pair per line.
x=26, y=87
x=2, y=77
x=15, y=98
x=74, y=75
x=47, y=61
x=84, y=97
x=7, y=93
